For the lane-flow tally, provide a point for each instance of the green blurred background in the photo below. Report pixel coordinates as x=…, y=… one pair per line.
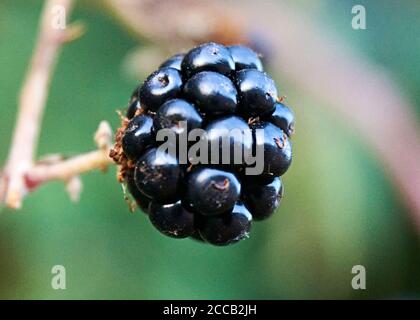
x=340, y=208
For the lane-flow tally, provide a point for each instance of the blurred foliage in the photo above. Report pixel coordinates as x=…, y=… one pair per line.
x=340, y=209
x=391, y=38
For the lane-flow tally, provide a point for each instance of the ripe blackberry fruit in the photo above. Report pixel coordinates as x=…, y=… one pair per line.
x=202, y=191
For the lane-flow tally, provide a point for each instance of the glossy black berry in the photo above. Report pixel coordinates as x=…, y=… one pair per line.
x=276, y=147
x=234, y=132
x=257, y=92
x=245, y=58
x=172, y=219
x=212, y=93
x=141, y=199
x=208, y=57
x=173, y=112
x=218, y=115
x=161, y=85
x=173, y=62
x=283, y=118
x=227, y=228
x=138, y=136
x=262, y=199
x=212, y=191
x=157, y=175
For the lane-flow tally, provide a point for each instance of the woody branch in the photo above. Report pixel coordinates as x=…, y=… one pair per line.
x=21, y=173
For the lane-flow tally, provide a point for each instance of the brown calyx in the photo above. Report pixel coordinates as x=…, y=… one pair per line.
x=117, y=152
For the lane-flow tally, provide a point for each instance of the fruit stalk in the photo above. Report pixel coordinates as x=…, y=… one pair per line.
x=66, y=169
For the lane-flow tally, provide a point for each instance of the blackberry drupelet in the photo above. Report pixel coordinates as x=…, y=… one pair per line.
x=245, y=58
x=283, y=118
x=257, y=92
x=213, y=93
x=208, y=57
x=172, y=219
x=157, y=175
x=160, y=86
x=212, y=191
x=173, y=62
x=228, y=228
x=138, y=136
x=276, y=147
x=262, y=199
x=172, y=112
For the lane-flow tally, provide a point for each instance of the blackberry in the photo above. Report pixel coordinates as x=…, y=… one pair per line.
x=227, y=108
